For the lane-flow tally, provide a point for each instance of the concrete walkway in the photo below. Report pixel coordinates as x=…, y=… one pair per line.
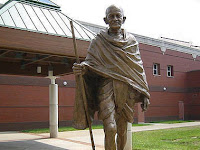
x=71, y=140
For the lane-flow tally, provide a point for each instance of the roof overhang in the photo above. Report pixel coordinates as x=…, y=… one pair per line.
x=21, y=52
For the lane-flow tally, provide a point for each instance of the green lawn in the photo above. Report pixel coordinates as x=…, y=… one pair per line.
x=136, y=125
x=62, y=129
x=172, y=121
x=187, y=138
x=46, y=130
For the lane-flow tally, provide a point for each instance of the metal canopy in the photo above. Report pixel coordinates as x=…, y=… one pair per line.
x=36, y=33
x=41, y=16
x=47, y=2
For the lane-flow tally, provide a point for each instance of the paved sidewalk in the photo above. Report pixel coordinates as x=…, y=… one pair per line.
x=71, y=140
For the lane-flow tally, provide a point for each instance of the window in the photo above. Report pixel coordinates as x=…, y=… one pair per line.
x=156, y=69
x=170, y=71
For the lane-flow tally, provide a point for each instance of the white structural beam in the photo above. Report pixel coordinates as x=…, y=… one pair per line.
x=53, y=106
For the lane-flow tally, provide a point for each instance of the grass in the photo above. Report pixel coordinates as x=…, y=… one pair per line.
x=172, y=121
x=186, y=138
x=136, y=125
x=62, y=129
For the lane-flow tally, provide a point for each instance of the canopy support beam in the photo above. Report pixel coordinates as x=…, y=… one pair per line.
x=53, y=106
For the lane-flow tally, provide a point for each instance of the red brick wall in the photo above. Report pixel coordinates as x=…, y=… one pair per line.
x=23, y=103
x=26, y=104
x=25, y=99
x=193, y=78
x=66, y=103
x=193, y=97
x=164, y=104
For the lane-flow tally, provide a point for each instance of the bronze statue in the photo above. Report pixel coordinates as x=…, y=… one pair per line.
x=114, y=80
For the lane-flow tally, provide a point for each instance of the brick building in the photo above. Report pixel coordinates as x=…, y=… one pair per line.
x=172, y=68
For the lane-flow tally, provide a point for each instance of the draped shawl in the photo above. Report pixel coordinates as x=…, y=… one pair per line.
x=114, y=58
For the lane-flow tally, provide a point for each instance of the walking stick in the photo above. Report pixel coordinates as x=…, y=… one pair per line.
x=82, y=88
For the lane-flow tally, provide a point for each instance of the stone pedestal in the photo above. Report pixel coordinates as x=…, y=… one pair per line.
x=129, y=137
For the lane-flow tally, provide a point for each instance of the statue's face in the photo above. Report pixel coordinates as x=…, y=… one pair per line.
x=114, y=18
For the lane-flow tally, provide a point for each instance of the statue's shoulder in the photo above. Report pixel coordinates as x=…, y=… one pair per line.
x=130, y=36
x=98, y=36
x=94, y=42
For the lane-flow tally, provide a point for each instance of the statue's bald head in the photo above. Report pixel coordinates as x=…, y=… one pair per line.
x=114, y=8
x=114, y=13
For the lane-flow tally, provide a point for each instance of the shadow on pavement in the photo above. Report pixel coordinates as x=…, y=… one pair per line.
x=28, y=145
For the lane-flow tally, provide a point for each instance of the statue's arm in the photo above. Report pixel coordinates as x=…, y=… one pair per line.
x=145, y=103
x=79, y=69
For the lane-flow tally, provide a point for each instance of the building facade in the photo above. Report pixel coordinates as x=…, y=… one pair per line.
x=172, y=70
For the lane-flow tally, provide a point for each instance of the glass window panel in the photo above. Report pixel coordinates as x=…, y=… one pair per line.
x=7, y=19
x=44, y=20
x=169, y=71
x=156, y=69
x=80, y=31
x=67, y=22
x=169, y=68
x=61, y=23
x=91, y=35
x=47, y=2
x=16, y=17
x=155, y=72
x=88, y=34
x=25, y=17
x=9, y=5
x=1, y=21
x=34, y=18
x=155, y=66
x=53, y=22
x=76, y=33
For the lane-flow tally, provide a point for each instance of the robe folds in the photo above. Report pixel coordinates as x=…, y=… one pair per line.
x=109, y=58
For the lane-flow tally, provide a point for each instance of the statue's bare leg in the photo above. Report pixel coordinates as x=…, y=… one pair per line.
x=110, y=132
x=121, y=133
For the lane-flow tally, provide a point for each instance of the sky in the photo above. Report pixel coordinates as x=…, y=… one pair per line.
x=175, y=19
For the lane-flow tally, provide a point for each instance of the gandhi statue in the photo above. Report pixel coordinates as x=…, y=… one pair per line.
x=114, y=80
